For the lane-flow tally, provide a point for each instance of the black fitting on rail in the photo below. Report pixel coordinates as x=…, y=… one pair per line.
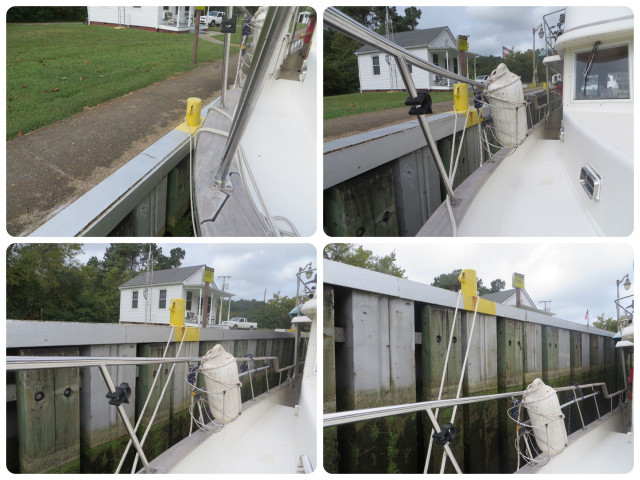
x=420, y=105
x=445, y=435
x=120, y=396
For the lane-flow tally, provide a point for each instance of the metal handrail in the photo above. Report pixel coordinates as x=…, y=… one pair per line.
x=274, y=28
x=15, y=363
x=341, y=418
x=347, y=26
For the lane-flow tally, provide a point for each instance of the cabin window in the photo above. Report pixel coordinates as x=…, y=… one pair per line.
x=134, y=299
x=602, y=73
x=162, y=303
x=376, y=65
x=188, y=302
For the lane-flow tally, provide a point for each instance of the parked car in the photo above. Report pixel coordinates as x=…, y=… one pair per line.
x=213, y=18
x=241, y=322
x=482, y=79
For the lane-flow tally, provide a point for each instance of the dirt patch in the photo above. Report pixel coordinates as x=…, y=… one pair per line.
x=335, y=128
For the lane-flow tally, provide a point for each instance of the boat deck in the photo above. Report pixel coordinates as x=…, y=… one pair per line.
x=526, y=192
x=603, y=447
x=531, y=189
x=261, y=440
x=274, y=174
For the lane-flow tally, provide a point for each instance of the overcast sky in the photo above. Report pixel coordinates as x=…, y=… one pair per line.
x=575, y=277
x=490, y=28
x=252, y=267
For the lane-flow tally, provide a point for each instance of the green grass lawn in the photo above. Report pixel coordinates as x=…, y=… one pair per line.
x=54, y=71
x=352, y=103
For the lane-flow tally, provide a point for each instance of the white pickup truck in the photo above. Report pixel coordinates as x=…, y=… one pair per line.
x=241, y=322
x=212, y=18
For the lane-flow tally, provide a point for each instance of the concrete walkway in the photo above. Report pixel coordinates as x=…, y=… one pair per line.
x=50, y=167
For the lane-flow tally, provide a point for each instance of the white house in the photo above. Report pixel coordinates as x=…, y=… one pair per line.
x=169, y=19
x=508, y=297
x=379, y=72
x=147, y=297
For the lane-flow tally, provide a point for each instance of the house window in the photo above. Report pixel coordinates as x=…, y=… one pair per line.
x=376, y=65
x=188, y=302
x=607, y=75
x=162, y=303
x=165, y=8
x=455, y=65
x=435, y=59
x=134, y=299
x=410, y=67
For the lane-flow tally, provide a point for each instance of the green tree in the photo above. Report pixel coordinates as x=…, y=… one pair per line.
x=359, y=256
x=41, y=280
x=609, y=324
x=449, y=281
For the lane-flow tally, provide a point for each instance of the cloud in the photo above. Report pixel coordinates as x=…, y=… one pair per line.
x=576, y=277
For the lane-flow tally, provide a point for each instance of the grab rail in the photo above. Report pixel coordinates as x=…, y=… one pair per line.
x=347, y=26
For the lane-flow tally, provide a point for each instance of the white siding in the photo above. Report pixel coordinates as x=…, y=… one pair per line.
x=143, y=16
x=137, y=16
x=127, y=313
x=443, y=40
x=369, y=81
x=158, y=315
x=103, y=14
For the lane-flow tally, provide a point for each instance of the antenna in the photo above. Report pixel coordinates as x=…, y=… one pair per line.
x=224, y=285
x=147, y=290
x=388, y=31
x=545, y=304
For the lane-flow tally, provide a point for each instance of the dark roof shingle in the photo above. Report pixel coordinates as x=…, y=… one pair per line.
x=163, y=277
x=412, y=38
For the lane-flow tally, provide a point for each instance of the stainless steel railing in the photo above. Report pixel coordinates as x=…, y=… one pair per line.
x=347, y=26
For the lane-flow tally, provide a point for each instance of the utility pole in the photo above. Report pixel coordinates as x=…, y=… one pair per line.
x=224, y=284
x=545, y=303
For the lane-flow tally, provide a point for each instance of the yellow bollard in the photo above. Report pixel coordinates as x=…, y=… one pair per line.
x=176, y=312
x=469, y=289
x=468, y=281
x=461, y=97
x=194, y=107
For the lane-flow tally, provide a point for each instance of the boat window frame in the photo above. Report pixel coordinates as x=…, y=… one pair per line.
x=579, y=74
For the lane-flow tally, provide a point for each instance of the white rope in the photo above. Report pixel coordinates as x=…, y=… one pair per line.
x=444, y=374
x=464, y=368
x=146, y=402
x=164, y=389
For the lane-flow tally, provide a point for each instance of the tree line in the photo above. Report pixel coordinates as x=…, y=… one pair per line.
x=47, y=281
x=341, y=65
x=358, y=256
x=46, y=14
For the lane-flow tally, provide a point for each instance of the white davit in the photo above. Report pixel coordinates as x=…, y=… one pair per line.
x=223, y=384
x=547, y=419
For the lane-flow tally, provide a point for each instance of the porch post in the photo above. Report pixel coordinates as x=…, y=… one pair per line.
x=448, y=69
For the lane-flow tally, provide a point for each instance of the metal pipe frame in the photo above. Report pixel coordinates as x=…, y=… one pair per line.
x=347, y=26
x=225, y=63
x=125, y=420
x=275, y=26
x=341, y=418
